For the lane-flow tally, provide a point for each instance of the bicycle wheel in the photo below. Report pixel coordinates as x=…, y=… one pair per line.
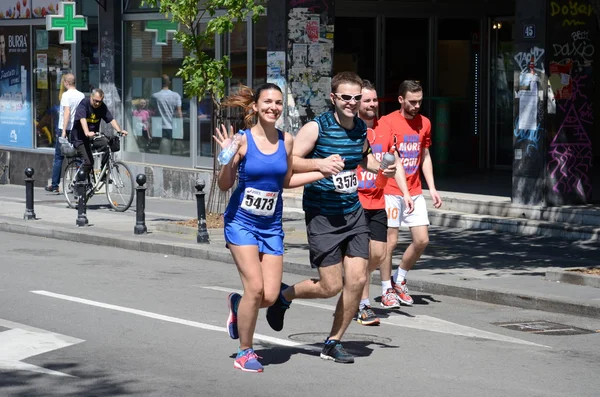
x=119, y=190
x=68, y=183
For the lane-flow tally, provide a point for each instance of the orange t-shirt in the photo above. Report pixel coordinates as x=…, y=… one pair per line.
x=369, y=195
x=410, y=136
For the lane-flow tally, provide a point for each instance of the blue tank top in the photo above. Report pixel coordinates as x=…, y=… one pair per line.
x=321, y=196
x=257, y=199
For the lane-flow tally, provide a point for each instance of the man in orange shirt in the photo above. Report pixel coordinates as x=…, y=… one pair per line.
x=411, y=134
x=373, y=203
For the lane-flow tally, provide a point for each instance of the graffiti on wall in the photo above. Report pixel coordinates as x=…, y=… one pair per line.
x=309, y=58
x=572, y=25
x=571, y=149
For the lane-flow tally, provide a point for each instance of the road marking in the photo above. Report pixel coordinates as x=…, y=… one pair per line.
x=422, y=322
x=22, y=341
x=175, y=320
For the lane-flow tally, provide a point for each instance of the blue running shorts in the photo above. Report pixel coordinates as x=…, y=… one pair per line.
x=269, y=240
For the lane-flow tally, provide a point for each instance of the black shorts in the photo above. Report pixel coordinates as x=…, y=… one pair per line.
x=377, y=221
x=331, y=237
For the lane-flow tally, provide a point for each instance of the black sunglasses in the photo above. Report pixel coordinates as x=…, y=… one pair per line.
x=348, y=98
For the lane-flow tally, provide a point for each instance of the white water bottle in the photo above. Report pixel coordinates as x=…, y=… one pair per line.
x=227, y=154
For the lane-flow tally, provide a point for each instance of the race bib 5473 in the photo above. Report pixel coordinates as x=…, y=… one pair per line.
x=259, y=202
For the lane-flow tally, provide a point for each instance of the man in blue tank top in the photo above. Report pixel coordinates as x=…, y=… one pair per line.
x=334, y=143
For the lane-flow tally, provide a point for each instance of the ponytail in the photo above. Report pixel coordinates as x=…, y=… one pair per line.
x=244, y=99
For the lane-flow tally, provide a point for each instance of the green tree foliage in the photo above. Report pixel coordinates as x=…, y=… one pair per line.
x=202, y=73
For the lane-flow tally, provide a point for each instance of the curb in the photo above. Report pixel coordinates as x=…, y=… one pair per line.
x=573, y=278
x=212, y=253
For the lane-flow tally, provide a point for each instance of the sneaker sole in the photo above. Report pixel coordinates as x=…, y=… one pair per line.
x=372, y=322
x=407, y=303
x=326, y=357
x=237, y=366
x=390, y=307
x=230, y=320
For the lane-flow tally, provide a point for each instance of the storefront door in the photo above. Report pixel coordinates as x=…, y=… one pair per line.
x=501, y=97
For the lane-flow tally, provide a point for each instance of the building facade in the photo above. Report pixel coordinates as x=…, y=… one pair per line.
x=508, y=84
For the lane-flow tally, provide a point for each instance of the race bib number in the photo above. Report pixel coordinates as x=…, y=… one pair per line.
x=345, y=182
x=259, y=202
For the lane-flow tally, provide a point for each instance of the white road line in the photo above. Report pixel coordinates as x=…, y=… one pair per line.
x=22, y=341
x=175, y=320
x=422, y=322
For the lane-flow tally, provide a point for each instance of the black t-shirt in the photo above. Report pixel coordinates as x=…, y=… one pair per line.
x=92, y=115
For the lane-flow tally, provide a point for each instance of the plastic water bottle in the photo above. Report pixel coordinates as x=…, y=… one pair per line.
x=386, y=161
x=227, y=154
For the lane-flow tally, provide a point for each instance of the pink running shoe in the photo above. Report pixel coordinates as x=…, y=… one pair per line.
x=402, y=292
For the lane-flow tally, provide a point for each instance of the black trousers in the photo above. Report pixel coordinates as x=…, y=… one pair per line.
x=84, y=151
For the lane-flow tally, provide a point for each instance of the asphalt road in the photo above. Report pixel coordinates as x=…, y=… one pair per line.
x=82, y=320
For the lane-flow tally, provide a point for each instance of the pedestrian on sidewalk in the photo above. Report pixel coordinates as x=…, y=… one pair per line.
x=410, y=132
x=253, y=217
x=69, y=98
x=373, y=203
x=338, y=234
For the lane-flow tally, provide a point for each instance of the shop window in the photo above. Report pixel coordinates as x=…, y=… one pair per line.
x=260, y=51
x=15, y=87
x=51, y=60
x=238, y=61
x=157, y=113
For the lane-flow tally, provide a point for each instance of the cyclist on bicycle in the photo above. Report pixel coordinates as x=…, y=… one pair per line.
x=86, y=128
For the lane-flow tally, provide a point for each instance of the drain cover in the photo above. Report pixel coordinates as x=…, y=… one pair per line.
x=545, y=328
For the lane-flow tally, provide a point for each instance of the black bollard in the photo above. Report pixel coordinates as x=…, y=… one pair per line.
x=81, y=187
x=202, y=236
x=140, y=206
x=29, y=214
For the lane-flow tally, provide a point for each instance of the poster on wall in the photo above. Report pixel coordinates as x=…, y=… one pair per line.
x=15, y=87
x=15, y=9
x=23, y=9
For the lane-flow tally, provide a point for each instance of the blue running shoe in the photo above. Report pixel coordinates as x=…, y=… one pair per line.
x=233, y=300
x=247, y=361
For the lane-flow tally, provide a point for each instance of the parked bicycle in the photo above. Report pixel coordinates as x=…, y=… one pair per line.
x=115, y=177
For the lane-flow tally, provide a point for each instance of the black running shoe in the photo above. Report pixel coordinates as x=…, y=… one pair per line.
x=52, y=189
x=276, y=312
x=334, y=351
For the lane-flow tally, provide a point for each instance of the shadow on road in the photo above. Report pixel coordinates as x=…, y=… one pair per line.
x=83, y=383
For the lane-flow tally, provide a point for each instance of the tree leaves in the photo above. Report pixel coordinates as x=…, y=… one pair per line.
x=201, y=72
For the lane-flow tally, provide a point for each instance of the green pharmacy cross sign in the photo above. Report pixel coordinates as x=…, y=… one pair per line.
x=162, y=28
x=66, y=22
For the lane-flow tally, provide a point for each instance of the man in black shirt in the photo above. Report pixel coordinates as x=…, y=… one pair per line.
x=87, y=125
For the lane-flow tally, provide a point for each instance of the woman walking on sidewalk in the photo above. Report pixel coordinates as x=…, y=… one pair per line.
x=253, y=226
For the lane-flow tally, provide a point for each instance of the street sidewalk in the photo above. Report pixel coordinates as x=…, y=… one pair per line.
x=479, y=265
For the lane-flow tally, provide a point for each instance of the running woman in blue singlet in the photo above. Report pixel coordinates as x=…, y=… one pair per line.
x=253, y=228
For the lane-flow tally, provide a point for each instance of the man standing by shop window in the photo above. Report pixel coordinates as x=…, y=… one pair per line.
x=87, y=125
x=166, y=103
x=69, y=101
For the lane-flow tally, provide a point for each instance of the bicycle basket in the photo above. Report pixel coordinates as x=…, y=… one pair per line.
x=115, y=144
x=67, y=149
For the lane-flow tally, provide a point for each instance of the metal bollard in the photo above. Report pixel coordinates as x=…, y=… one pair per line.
x=80, y=186
x=202, y=236
x=29, y=214
x=140, y=206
